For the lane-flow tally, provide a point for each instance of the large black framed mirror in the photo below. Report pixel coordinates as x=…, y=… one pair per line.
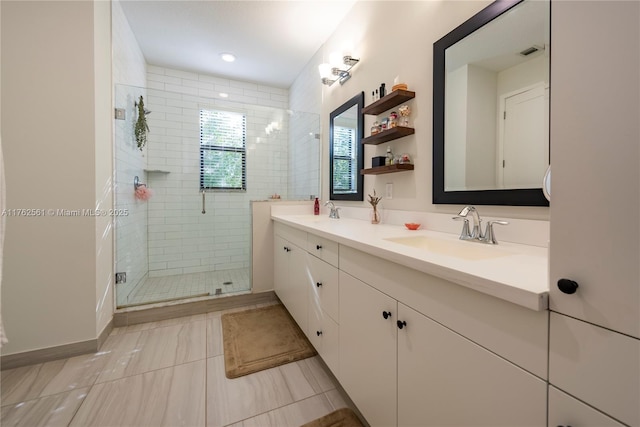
x=346, y=153
x=491, y=107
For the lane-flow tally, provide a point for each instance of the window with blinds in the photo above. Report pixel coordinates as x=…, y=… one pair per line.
x=223, y=153
x=344, y=160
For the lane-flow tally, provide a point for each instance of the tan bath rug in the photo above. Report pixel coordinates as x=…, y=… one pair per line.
x=341, y=418
x=261, y=338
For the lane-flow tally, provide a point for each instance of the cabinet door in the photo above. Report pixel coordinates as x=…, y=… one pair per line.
x=298, y=285
x=280, y=265
x=290, y=279
x=368, y=350
x=323, y=333
x=594, y=154
x=596, y=365
x=445, y=379
x=564, y=410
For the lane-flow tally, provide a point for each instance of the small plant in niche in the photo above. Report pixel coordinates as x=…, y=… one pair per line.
x=141, y=128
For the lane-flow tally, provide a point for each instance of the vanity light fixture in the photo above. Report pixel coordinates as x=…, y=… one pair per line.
x=341, y=73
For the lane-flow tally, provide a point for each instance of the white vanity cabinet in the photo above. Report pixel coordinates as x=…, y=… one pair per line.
x=594, y=211
x=308, y=287
x=420, y=372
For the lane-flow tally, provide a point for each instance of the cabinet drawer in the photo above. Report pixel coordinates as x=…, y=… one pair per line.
x=324, y=289
x=293, y=235
x=324, y=334
x=324, y=249
x=564, y=410
x=597, y=366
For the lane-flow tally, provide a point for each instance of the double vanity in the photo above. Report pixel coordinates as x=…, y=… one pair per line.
x=419, y=327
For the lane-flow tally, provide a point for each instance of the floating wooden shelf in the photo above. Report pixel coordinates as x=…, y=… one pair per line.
x=389, y=101
x=388, y=135
x=387, y=169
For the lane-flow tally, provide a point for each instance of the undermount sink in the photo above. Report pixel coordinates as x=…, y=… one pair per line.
x=459, y=249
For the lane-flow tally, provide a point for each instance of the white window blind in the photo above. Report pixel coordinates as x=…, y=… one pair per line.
x=223, y=154
x=344, y=160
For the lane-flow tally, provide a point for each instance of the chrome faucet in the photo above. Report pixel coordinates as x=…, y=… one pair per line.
x=333, y=213
x=476, y=234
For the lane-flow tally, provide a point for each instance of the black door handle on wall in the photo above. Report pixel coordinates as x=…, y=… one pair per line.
x=567, y=286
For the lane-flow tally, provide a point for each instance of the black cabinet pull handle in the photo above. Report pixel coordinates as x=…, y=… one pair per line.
x=567, y=286
x=318, y=247
x=401, y=324
x=318, y=333
x=287, y=249
x=386, y=314
x=318, y=284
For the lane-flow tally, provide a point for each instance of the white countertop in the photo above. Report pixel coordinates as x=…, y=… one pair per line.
x=519, y=274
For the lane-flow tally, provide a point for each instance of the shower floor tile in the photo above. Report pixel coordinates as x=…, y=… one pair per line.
x=166, y=373
x=189, y=285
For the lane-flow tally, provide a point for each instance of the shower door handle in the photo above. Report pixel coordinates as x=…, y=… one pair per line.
x=203, y=210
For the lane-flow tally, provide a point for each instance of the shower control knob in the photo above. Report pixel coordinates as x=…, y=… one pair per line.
x=567, y=286
x=386, y=314
x=401, y=324
x=318, y=284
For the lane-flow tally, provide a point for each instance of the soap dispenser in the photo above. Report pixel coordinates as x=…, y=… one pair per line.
x=316, y=207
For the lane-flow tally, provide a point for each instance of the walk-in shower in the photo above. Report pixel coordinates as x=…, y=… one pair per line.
x=205, y=160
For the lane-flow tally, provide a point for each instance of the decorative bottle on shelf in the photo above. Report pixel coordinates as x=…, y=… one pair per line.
x=316, y=207
x=389, y=160
x=383, y=91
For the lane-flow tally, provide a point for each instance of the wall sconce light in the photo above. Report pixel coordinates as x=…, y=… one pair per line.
x=331, y=74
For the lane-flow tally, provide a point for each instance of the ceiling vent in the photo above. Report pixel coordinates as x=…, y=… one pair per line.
x=533, y=49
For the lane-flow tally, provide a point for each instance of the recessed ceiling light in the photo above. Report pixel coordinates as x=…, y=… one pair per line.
x=223, y=95
x=228, y=57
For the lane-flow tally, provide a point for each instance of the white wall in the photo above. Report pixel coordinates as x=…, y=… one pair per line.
x=403, y=47
x=182, y=239
x=49, y=126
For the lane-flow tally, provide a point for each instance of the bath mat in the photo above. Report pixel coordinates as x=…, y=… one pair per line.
x=261, y=338
x=341, y=418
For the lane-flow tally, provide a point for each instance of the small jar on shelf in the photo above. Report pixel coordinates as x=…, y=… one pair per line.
x=405, y=112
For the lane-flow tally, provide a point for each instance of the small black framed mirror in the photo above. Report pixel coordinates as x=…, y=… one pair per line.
x=491, y=107
x=346, y=153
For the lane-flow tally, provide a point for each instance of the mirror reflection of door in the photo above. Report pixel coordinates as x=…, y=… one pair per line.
x=523, y=150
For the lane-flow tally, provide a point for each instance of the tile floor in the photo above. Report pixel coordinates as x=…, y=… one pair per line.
x=187, y=285
x=167, y=373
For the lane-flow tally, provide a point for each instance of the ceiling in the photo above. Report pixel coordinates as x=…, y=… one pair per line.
x=272, y=40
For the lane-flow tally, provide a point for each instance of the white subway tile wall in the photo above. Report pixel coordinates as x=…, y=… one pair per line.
x=181, y=239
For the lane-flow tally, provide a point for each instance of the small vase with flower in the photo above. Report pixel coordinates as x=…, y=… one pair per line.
x=373, y=201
